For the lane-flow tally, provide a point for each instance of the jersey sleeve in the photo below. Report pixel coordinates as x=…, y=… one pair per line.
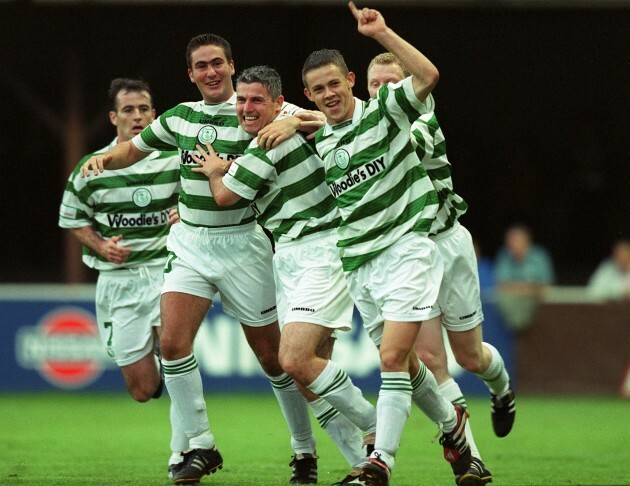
x=158, y=135
x=399, y=102
x=75, y=210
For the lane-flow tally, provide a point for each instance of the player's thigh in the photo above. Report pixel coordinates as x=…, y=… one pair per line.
x=466, y=343
x=144, y=372
x=302, y=340
x=181, y=315
x=397, y=344
x=430, y=342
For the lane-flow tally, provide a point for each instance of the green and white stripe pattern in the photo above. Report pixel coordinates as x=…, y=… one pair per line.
x=431, y=150
x=286, y=183
x=396, y=382
x=339, y=382
x=133, y=202
x=182, y=128
x=281, y=382
x=325, y=418
x=184, y=368
x=382, y=189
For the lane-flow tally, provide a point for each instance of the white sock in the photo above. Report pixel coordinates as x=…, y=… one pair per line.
x=392, y=409
x=176, y=458
x=496, y=376
x=295, y=410
x=427, y=397
x=451, y=391
x=334, y=385
x=179, y=439
x=183, y=382
x=346, y=436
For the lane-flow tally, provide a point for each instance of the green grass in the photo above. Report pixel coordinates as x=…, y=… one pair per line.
x=62, y=439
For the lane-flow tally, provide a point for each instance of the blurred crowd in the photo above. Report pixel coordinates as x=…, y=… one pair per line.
x=522, y=270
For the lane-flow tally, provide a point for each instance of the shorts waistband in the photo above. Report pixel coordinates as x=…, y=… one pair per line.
x=447, y=233
x=221, y=230
x=320, y=235
x=124, y=271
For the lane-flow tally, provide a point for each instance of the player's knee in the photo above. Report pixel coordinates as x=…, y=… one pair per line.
x=432, y=361
x=393, y=359
x=173, y=348
x=270, y=363
x=141, y=394
x=290, y=363
x=470, y=362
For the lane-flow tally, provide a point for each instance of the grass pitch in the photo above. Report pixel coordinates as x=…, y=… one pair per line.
x=108, y=439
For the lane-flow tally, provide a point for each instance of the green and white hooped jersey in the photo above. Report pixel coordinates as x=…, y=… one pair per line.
x=431, y=149
x=286, y=183
x=133, y=202
x=382, y=189
x=182, y=128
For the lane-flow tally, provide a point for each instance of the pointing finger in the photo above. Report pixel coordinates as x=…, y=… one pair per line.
x=355, y=11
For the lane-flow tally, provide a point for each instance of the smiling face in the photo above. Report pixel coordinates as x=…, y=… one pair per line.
x=212, y=73
x=255, y=107
x=134, y=111
x=331, y=91
x=380, y=74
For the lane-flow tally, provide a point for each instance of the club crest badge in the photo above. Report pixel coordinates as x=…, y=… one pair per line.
x=207, y=134
x=342, y=158
x=142, y=197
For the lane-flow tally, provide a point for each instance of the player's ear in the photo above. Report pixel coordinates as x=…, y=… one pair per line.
x=113, y=118
x=351, y=79
x=307, y=93
x=190, y=76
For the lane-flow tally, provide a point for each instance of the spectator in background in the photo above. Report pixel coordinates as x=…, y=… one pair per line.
x=522, y=270
x=611, y=279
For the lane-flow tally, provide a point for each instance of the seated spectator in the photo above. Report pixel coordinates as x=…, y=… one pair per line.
x=522, y=270
x=611, y=279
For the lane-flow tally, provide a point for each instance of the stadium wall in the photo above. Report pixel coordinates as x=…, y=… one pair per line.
x=49, y=341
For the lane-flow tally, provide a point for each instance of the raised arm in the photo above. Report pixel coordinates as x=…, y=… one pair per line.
x=372, y=24
x=120, y=156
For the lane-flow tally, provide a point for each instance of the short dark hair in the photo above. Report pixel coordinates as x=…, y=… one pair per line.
x=264, y=75
x=321, y=58
x=207, y=40
x=125, y=84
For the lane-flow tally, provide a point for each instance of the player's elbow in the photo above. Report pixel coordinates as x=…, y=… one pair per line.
x=432, y=77
x=225, y=198
x=221, y=200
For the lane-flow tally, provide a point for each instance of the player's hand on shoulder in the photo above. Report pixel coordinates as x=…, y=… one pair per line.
x=277, y=132
x=310, y=122
x=95, y=165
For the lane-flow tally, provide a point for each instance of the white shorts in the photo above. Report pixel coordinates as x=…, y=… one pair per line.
x=127, y=310
x=460, y=298
x=310, y=284
x=236, y=262
x=400, y=285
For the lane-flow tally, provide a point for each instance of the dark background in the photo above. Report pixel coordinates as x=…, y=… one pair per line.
x=533, y=102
